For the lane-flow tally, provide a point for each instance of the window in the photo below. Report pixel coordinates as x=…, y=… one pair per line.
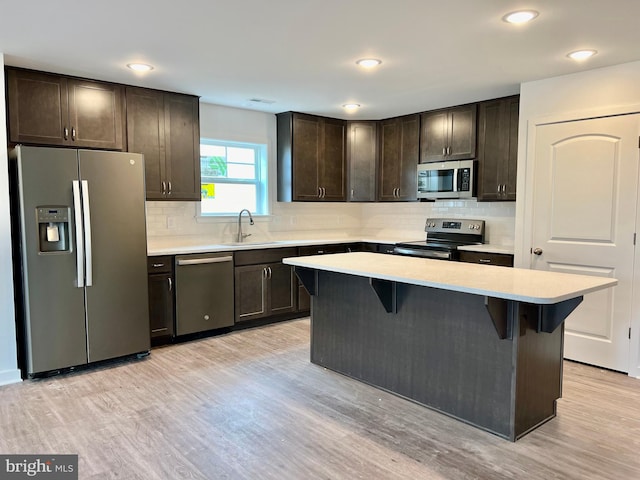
x=233, y=177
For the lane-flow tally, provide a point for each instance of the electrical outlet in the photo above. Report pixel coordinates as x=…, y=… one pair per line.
x=171, y=223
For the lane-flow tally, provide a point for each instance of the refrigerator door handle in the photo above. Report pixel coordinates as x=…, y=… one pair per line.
x=87, y=231
x=77, y=209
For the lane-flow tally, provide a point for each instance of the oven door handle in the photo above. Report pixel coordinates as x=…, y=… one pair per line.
x=422, y=253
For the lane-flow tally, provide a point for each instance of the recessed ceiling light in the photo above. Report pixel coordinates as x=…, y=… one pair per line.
x=139, y=67
x=581, y=54
x=351, y=106
x=369, y=62
x=522, y=16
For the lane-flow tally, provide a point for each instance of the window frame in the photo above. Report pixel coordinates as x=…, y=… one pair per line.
x=260, y=181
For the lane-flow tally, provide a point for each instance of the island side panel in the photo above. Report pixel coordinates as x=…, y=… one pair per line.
x=440, y=349
x=539, y=372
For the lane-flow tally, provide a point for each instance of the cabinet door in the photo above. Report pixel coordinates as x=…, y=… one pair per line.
x=145, y=134
x=511, y=164
x=498, y=149
x=434, y=137
x=448, y=134
x=250, y=292
x=96, y=114
x=306, y=155
x=462, y=133
x=37, y=108
x=492, y=145
x=362, y=138
x=161, y=316
x=182, y=143
x=282, y=288
x=332, y=166
x=390, y=151
x=407, y=168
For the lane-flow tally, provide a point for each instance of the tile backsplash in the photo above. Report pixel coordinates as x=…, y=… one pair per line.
x=298, y=220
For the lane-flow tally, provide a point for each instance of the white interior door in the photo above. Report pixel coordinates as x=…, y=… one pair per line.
x=584, y=219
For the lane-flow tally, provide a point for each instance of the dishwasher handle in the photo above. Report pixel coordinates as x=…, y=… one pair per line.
x=202, y=261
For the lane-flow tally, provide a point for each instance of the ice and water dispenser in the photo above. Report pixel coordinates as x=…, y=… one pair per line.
x=53, y=229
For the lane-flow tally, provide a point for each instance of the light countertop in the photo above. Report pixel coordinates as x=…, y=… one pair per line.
x=532, y=286
x=177, y=246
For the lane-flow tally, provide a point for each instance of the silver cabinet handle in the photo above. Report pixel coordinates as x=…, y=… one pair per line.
x=264, y=272
x=352, y=193
x=87, y=231
x=484, y=260
x=164, y=188
x=448, y=150
x=77, y=210
x=65, y=132
x=499, y=188
x=157, y=265
x=73, y=134
x=170, y=282
x=169, y=188
x=202, y=261
x=444, y=151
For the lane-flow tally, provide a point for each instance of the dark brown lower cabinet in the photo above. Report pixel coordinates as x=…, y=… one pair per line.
x=161, y=299
x=501, y=259
x=264, y=286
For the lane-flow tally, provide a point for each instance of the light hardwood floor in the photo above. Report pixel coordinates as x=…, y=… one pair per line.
x=249, y=405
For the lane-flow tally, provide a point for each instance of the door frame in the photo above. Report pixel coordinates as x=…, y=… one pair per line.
x=524, y=204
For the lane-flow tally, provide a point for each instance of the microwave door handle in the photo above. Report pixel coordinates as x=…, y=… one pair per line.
x=455, y=180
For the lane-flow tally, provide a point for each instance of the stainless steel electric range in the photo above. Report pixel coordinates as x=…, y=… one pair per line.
x=444, y=236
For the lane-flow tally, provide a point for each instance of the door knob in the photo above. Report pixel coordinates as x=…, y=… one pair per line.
x=537, y=251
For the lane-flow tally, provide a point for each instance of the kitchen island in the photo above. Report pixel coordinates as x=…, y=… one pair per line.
x=480, y=343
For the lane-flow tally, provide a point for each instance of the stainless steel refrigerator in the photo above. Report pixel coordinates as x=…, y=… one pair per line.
x=80, y=256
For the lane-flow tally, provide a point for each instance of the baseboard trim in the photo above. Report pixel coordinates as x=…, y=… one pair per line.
x=10, y=376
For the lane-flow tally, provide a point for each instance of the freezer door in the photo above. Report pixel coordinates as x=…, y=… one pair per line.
x=116, y=252
x=54, y=315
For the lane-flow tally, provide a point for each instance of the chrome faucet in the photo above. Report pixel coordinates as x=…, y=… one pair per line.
x=242, y=236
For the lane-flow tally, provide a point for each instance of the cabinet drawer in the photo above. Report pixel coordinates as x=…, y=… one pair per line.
x=161, y=264
x=266, y=255
x=500, y=259
x=324, y=249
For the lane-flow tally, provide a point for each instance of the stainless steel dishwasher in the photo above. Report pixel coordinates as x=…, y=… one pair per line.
x=204, y=292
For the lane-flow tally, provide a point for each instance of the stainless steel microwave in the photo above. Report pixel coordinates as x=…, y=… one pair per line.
x=449, y=179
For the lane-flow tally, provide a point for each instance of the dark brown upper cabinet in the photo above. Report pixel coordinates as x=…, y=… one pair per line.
x=165, y=128
x=48, y=109
x=448, y=134
x=498, y=149
x=362, y=155
x=399, y=148
x=311, y=158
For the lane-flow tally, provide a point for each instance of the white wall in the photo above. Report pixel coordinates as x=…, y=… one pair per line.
x=9, y=372
x=606, y=91
x=299, y=220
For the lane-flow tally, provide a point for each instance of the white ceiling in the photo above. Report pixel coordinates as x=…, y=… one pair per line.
x=301, y=53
